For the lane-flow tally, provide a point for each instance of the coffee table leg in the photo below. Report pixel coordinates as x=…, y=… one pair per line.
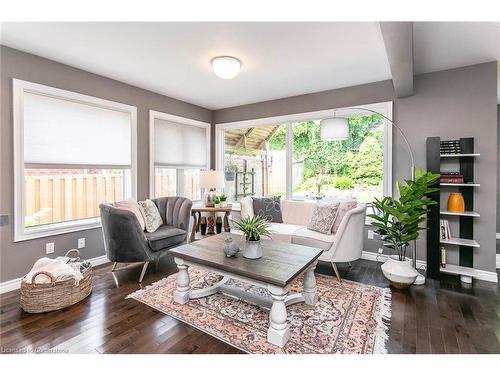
x=278, y=332
x=181, y=294
x=310, y=290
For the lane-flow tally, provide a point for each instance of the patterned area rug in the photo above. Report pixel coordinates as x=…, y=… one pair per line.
x=349, y=318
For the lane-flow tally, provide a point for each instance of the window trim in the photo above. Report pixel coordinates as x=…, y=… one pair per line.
x=153, y=115
x=385, y=108
x=20, y=87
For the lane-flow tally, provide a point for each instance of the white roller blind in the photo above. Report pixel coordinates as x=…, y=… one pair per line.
x=179, y=144
x=58, y=131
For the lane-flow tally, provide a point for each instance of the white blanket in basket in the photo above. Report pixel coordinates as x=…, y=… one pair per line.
x=56, y=267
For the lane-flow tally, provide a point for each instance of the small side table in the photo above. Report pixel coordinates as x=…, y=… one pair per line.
x=197, y=218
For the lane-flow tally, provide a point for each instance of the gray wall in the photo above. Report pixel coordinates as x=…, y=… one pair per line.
x=498, y=176
x=451, y=104
x=17, y=258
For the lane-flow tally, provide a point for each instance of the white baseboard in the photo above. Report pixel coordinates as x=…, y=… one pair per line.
x=8, y=286
x=421, y=264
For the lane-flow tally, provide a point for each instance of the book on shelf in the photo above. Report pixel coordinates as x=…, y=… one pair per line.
x=445, y=231
x=450, y=147
x=452, y=178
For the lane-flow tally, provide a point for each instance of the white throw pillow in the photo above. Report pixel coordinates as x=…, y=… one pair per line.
x=151, y=215
x=132, y=206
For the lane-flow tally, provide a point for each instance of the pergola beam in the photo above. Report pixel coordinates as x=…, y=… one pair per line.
x=241, y=141
x=398, y=40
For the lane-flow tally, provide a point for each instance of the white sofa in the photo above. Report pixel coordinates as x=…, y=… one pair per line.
x=345, y=245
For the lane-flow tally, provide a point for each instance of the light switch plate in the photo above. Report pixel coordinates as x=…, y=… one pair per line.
x=371, y=234
x=380, y=250
x=81, y=243
x=49, y=247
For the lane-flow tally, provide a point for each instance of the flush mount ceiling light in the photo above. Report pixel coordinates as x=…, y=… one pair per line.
x=226, y=67
x=334, y=129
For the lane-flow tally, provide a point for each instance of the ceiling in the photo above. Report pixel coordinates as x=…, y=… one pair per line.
x=279, y=59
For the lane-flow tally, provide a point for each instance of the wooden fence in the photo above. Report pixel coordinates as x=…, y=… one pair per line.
x=58, y=198
x=52, y=199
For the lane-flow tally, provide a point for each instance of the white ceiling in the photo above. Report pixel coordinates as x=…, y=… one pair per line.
x=279, y=59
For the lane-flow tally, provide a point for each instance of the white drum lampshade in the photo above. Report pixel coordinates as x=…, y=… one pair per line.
x=334, y=129
x=211, y=179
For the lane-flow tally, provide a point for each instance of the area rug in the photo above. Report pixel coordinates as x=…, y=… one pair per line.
x=349, y=318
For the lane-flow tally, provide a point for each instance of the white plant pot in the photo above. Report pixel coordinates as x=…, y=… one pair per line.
x=253, y=250
x=401, y=274
x=223, y=204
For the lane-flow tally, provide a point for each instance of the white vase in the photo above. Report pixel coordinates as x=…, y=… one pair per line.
x=253, y=250
x=400, y=273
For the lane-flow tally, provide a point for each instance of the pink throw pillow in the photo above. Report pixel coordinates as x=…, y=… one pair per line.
x=132, y=206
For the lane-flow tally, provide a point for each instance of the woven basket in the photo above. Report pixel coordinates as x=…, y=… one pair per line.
x=38, y=298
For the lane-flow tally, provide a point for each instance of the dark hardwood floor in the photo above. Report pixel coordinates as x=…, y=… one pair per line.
x=441, y=317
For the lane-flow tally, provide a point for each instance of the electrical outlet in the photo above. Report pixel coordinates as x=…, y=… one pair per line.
x=49, y=247
x=371, y=234
x=81, y=243
x=380, y=250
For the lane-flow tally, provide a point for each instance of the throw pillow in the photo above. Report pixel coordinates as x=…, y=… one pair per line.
x=344, y=206
x=322, y=218
x=151, y=215
x=267, y=207
x=131, y=205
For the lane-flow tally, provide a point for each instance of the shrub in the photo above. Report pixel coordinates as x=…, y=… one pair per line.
x=366, y=166
x=344, y=183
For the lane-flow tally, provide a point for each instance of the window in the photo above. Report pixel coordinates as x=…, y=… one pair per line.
x=285, y=156
x=72, y=152
x=179, y=149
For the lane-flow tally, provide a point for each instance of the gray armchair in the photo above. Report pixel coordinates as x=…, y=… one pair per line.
x=126, y=242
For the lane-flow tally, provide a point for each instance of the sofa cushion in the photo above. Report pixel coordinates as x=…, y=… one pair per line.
x=267, y=207
x=165, y=236
x=246, y=207
x=344, y=206
x=322, y=218
x=283, y=232
x=151, y=215
x=307, y=237
x=297, y=212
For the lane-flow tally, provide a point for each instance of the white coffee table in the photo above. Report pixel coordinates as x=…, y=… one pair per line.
x=279, y=266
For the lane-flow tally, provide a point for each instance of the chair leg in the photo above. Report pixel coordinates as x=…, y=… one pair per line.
x=113, y=274
x=350, y=265
x=336, y=271
x=143, y=272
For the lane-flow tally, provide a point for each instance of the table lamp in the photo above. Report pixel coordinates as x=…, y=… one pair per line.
x=211, y=181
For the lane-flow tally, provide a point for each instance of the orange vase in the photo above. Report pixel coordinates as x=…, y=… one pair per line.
x=456, y=203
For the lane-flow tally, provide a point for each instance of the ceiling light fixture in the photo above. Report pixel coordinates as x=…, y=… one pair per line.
x=226, y=67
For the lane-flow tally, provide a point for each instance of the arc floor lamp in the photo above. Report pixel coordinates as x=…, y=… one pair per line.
x=337, y=128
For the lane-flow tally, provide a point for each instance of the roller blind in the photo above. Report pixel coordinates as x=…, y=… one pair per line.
x=179, y=144
x=58, y=131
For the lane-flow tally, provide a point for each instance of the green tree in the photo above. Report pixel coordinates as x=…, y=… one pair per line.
x=366, y=165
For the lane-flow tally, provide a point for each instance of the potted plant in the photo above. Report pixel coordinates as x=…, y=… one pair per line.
x=253, y=229
x=223, y=200
x=217, y=201
x=230, y=170
x=398, y=222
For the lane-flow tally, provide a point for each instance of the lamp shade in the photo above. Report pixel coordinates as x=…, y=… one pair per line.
x=211, y=179
x=334, y=129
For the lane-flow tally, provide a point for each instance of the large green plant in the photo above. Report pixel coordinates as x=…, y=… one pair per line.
x=253, y=227
x=398, y=220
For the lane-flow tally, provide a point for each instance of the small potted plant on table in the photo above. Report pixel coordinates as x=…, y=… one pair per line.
x=398, y=222
x=223, y=200
x=253, y=228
